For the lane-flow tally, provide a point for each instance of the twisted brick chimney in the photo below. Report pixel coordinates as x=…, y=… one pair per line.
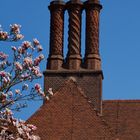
x=87, y=73
x=74, y=58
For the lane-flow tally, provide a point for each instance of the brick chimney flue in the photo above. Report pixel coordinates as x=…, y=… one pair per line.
x=74, y=8
x=55, y=59
x=92, y=57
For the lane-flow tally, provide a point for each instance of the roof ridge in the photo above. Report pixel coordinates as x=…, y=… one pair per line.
x=94, y=109
x=122, y=100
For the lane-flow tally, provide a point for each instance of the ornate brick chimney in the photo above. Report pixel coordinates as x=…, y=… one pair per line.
x=55, y=59
x=74, y=58
x=92, y=58
x=87, y=74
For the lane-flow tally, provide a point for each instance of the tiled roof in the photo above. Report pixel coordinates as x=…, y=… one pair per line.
x=124, y=117
x=70, y=116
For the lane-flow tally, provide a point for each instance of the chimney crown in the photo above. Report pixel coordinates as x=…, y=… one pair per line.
x=56, y=4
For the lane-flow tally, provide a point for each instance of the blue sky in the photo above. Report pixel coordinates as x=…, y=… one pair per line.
x=119, y=41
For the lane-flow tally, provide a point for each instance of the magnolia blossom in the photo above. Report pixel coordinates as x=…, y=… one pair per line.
x=36, y=71
x=3, y=56
x=38, y=59
x=17, y=91
x=35, y=42
x=28, y=61
x=5, y=77
x=37, y=87
x=19, y=129
x=14, y=34
x=3, y=73
x=26, y=44
x=21, y=67
x=50, y=91
x=14, y=48
x=39, y=48
x=18, y=66
x=3, y=35
x=15, y=28
x=19, y=36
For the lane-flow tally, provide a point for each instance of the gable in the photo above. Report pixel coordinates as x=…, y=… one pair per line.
x=69, y=115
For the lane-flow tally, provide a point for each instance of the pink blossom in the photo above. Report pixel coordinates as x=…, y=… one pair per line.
x=39, y=48
x=18, y=66
x=47, y=98
x=15, y=28
x=31, y=126
x=3, y=35
x=3, y=56
x=41, y=56
x=19, y=36
x=26, y=44
x=35, y=42
x=50, y=91
x=36, y=71
x=36, y=61
x=37, y=87
x=14, y=48
x=6, y=80
x=21, y=50
x=2, y=73
x=17, y=91
x=28, y=61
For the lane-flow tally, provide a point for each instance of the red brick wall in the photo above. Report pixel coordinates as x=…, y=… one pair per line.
x=89, y=82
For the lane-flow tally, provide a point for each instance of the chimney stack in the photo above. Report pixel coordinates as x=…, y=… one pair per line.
x=74, y=59
x=92, y=57
x=55, y=59
x=87, y=73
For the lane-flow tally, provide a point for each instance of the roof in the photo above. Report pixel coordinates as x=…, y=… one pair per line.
x=70, y=116
x=124, y=117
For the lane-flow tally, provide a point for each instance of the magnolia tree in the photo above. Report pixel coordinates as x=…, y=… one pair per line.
x=19, y=68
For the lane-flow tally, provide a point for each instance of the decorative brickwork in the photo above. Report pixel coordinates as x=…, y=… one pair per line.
x=55, y=59
x=89, y=81
x=89, y=77
x=74, y=40
x=92, y=58
x=69, y=115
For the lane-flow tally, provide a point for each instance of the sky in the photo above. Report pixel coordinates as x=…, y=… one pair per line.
x=119, y=42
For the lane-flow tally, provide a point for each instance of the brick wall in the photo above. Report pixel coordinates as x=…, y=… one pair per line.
x=89, y=81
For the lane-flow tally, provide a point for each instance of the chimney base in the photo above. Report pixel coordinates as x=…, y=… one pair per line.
x=93, y=61
x=55, y=62
x=74, y=62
